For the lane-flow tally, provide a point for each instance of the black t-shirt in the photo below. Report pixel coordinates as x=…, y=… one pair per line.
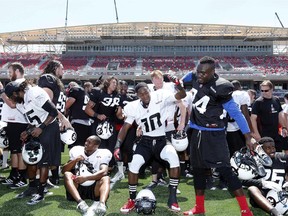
x=77, y=110
x=267, y=111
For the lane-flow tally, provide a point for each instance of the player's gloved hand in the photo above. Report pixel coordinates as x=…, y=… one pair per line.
x=173, y=79
x=117, y=154
x=271, y=185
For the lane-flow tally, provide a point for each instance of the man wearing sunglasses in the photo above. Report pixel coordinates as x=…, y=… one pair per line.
x=267, y=114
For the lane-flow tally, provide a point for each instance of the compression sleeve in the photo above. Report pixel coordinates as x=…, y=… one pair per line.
x=50, y=108
x=187, y=77
x=234, y=111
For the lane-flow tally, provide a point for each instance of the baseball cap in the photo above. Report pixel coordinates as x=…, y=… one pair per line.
x=11, y=87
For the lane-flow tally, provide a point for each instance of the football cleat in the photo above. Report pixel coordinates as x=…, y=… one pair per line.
x=128, y=207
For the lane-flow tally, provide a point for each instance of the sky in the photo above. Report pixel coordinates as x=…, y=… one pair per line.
x=18, y=15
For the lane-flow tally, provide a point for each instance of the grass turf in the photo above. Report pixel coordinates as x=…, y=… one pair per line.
x=217, y=203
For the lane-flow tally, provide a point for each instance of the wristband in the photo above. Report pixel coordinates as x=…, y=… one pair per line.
x=95, y=114
x=2, y=91
x=42, y=126
x=118, y=144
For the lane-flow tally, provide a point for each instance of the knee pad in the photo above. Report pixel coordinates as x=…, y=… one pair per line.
x=136, y=163
x=169, y=154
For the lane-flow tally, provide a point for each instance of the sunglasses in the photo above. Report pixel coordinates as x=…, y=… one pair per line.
x=265, y=90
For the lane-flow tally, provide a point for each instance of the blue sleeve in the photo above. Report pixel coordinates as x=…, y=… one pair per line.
x=187, y=77
x=234, y=112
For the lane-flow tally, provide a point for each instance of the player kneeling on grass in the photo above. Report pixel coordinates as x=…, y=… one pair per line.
x=85, y=176
x=149, y=112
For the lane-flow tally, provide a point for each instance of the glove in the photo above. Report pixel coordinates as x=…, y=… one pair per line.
x=173, y=79
x=117, y=154
x=271, y=185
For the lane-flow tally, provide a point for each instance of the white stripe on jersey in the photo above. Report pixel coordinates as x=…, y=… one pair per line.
x=34, y=98
x=151, y=119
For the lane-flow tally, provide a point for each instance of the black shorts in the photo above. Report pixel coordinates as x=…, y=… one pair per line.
x=209, y=149
x=50, y=140
x=127, y=146
x=236, y=141
x=85, y=192
x=13, y=131
x=150, y=148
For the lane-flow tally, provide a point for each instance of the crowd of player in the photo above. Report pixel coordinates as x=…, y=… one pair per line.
x=120, y=129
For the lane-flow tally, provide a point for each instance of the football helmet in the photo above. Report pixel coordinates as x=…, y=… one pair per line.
x=264, y=159
x=4, y=143
x=104, y=130
x=145, y=202
x=244, y=165
x=32, y=152
x=68, y=136
x=278, y=200
x=85, y=168
x=179, y=140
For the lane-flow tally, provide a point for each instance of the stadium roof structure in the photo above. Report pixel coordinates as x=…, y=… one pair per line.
x=152, y=30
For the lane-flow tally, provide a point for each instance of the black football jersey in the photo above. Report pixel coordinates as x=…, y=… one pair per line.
x=207, y=109
x=276, y=173
x=1, y=105
x=59, y=98
x=105, y=103
x=77, y=110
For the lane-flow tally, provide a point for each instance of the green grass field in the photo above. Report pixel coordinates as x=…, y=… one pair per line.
x=218, y=203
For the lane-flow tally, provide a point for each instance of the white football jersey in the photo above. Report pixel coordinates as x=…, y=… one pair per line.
x=34, y=98
x=241, y=98
x=99, y=157
x=151, y=119
x=166, y=85
x=169, y=86
x=9, y=114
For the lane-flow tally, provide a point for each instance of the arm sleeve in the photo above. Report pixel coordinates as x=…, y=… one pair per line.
x=50, y=108
x=234, y=111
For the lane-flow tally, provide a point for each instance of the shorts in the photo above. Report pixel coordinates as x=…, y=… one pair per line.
x=13, y=131
x=51, y=143
x=85, y=192
x=209, y=149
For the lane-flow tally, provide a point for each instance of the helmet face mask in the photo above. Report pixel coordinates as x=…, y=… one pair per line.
x=104, y=130
x=278, y=200
x=145, y=202
x=179, y=140
x=68, y=136
x=4, y=142
x=243, y=165
x=32, y=152
x=85, y=168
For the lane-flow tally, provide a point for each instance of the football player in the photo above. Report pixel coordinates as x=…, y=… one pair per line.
x=208, y=141
x=41, y=113
x=127, y=147
x=16, y=124
x=94, y=184
x=149, y=112
x=50, y=81
x=275, y=178
x=75, y=106
x=104, y=106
